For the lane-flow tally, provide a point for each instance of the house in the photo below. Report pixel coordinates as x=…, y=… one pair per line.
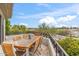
x=5, y=13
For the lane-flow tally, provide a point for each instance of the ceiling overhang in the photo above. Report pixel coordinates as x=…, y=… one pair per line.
x=6, y=9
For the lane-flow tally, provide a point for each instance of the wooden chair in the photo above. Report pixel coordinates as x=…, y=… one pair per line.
x=25, y=36
x=22, y=49
x=9, y=50
x=37, y=43
x=17, y=37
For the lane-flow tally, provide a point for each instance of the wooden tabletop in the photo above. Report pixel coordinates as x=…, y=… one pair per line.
x=25, y=42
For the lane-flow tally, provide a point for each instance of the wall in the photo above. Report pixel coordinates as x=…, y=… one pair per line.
x=2, y=29
x=50, y=46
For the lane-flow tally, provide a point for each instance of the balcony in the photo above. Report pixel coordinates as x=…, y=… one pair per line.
x=43, y=45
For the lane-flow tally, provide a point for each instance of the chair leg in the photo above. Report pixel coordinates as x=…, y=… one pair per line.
x=27, y=52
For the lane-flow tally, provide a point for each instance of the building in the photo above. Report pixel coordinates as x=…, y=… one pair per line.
x=5, y=13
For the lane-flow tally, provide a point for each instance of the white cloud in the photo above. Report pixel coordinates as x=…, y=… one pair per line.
x=62, y=25
x=43, y=4
x=67, y=11
x=78, y=13
x=66, y=18
x=61, y=21
x=48, y=20
x=22, y=17
x=24, y=24
x=65, y=25
x=59, y=12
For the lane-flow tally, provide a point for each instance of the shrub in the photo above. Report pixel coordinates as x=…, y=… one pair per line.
x=70, y=45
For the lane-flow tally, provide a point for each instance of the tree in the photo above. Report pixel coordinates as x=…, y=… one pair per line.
x=17, y=29
x=7, y=26
x=43, y=26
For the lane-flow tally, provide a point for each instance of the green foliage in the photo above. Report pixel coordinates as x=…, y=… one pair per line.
x=70, y=45
x=52, y=30
x=18, y=29
x=45, y=28
x=7, y=26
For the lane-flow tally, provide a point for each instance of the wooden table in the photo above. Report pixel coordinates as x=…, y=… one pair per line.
x=27, y=43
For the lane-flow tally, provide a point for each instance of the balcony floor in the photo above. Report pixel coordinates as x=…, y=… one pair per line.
x=1, y=51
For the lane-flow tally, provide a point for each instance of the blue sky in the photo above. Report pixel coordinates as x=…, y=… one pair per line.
x=54, y=14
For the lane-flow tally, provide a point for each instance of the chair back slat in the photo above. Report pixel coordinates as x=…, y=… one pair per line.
x=8, y=49
x=25, y=36
x=17, y=37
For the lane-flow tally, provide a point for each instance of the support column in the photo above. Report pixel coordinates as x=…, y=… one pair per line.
x=2, y=29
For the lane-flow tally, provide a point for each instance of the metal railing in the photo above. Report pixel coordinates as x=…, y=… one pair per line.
x=58, y=49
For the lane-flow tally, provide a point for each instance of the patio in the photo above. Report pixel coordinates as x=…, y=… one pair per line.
x=34, y=45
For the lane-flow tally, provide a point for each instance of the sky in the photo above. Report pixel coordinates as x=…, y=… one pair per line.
x=53, y=14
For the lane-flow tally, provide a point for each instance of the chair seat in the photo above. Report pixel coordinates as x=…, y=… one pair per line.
x=20, y=49
x=20, y=53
